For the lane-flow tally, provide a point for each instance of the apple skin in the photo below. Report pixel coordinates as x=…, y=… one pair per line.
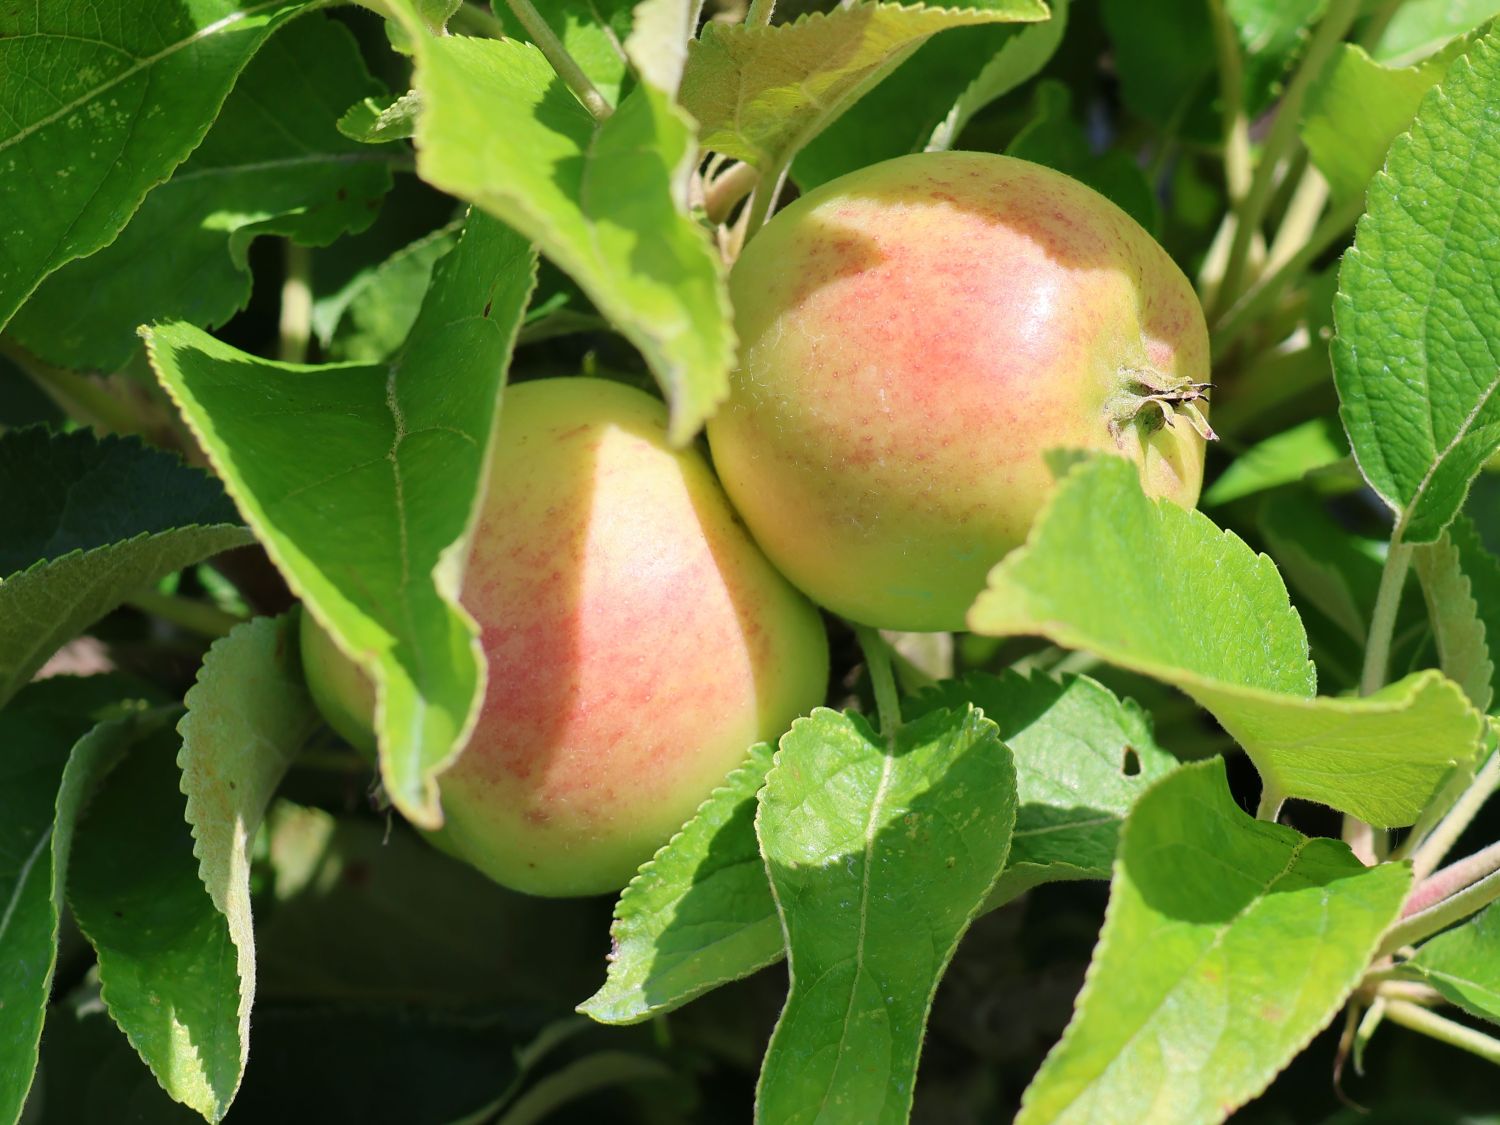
x=914, y=337
x=638, y=644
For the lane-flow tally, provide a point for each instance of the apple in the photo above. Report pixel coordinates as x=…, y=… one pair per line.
x=915, y=337
x=638, y=644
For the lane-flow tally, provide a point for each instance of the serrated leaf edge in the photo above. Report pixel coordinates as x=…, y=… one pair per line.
x=969, y=714
x=1090, y=981
x=595, y=1009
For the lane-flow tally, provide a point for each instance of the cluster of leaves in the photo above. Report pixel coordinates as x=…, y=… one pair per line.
x=515, y=193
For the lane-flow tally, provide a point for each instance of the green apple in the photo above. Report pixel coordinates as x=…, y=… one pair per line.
x=638, y=644
x=915, y=337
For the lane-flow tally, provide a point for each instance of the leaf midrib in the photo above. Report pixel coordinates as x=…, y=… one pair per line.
x=130, y=72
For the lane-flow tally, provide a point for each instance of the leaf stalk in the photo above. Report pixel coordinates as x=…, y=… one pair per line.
x=196, y=617
x=566, y=66
x=877, y=652
x=1431, y=851
x=1282, y=138
x=1440, y=916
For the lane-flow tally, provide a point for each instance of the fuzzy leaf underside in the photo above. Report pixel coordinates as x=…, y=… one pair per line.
x=247, y=715
x=54, y=753
x=761, y=93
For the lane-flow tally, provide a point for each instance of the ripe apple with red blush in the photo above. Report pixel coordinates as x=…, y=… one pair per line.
x=914, y=338
x=638, y=643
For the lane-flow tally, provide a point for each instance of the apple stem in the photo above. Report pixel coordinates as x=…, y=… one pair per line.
x=882, y=680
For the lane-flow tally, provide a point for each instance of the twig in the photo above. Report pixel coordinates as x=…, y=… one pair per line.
x=196, y=617
x=1455, y=1034
x=471, y=19
x=1329, y=34
x=567, y=67
x=760, y=12
x=1440, y=916
x=1271, y=800
x=1383, y=620
x=1237, y=169
x=1260, y=296
x=1452, y=879
x=1431, y=851
x=1299, y=220
x=727, y=189
x=762, y=202
x=1367, y=844
x=295, y=329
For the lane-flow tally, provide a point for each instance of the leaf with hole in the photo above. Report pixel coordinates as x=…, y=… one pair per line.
x=1163, y=592
x=1228, y=944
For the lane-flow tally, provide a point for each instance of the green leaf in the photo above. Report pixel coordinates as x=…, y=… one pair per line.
x=1228, y=944
x=760, y=93
x=929, y=99
x=1417, y=353
x=1464, y=964
x=607, y=203
x=1082, y=758
x=1163, y=592
x=399, y=454
x=1271, y=33
x=1460, y=631
x=1164, y=54
x=273, y=163
x=1334, y=574
x=87, y=523
x=1482, y=568
x=1334, y=570
x=1357, y=107
x=166, y=962
x=1167, y=59
x=1052, y=137
x=1420, y=27
x=104, y=98
x=370, y=318
x=247, y=715
x=592, y=31
x=51, y=758
x=374, y=121
x=658, y=41
x=880, y=853
x=699, y=914
x=1307, y=447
